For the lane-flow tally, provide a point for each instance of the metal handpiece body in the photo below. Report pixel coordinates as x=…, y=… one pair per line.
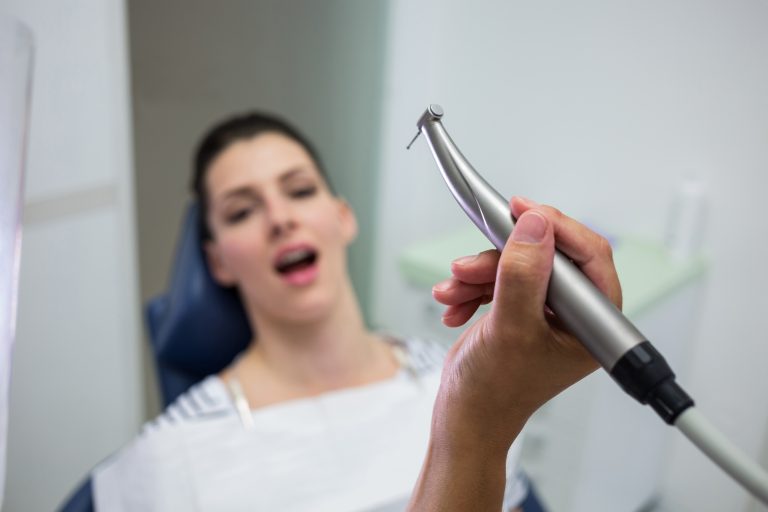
x=583, y=309
x=609, y=336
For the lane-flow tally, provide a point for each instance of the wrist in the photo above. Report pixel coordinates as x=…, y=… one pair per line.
x=459, y=474
x=475, y=425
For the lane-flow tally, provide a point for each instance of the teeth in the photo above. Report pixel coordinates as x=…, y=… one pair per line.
x=293, y=257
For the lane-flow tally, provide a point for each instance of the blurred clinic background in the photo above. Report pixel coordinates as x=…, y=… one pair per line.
x=647, y=120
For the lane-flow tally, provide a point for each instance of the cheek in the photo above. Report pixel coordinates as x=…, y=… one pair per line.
x=240, y=255
x=332, y=233
x=328, y=223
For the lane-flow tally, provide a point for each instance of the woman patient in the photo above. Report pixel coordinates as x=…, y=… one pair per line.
x=319, y=413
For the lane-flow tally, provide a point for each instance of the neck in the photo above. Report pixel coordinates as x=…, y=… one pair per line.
x=332, y=352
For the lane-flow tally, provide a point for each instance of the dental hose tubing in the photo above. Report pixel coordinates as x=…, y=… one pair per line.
x=723, y=452
x=620, y=348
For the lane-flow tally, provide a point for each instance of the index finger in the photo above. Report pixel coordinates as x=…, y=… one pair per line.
x=479, y=269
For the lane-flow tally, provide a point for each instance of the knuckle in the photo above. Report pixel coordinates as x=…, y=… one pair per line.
x=604, y=248
x=520, y=266
x=553, y=213
x=490, y=255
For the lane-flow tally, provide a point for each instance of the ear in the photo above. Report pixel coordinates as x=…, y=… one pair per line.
x=348, y=221
x=216, y=264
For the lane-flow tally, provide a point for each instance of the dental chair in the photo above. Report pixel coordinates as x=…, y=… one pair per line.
x=195, y=329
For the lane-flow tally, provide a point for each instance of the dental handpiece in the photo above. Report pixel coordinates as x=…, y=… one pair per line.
x=601, y=327
x=620, y=348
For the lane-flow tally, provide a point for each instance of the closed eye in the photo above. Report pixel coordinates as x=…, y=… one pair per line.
x=303, y=192
x=238, y=215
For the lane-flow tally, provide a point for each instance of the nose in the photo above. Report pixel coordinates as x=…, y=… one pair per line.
x=281, y=218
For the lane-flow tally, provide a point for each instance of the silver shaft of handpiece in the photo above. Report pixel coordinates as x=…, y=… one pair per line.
x=603, y=329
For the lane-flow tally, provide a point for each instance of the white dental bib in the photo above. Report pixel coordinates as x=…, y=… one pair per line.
x=357, y=449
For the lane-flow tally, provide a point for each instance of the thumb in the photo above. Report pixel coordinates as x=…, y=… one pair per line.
x=524, y=269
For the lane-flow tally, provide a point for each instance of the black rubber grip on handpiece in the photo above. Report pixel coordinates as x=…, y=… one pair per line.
x=644, y=374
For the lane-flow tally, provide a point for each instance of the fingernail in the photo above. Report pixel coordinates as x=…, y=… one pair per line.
x=465, y=260
x=530, y=228
x=529, y=202
x=520, y=205
x=442, y=286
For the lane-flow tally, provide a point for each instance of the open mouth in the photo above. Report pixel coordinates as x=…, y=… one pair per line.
x=296, y=260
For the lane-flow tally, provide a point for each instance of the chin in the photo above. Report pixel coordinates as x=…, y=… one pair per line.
x=308, y=309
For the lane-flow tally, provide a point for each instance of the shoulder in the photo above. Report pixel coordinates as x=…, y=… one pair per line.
x=208, y=399
x=156, y=458
x=204, y=402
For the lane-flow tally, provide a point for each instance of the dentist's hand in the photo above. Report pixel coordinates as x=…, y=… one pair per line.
x=510, y=361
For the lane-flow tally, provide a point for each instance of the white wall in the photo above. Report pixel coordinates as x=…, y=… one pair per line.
x=75, y=387
x=602, y=109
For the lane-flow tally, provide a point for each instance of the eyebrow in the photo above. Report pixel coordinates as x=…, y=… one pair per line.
x=243, y=191
x=247, y=191
x=288, y=175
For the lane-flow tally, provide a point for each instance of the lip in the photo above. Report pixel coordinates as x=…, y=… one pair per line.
x=282, y=251
x=301, y=277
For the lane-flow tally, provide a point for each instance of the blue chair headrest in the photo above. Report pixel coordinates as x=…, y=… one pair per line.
x=197, y=327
